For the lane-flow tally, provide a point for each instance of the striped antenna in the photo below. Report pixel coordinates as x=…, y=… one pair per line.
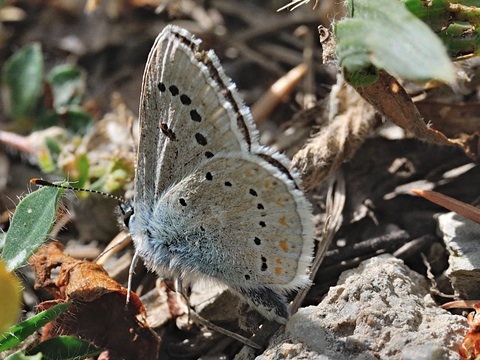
x=41, y=182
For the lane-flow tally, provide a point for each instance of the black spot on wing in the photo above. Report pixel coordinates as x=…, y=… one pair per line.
x=168, y=132
x=185, y=99
x=195, y=116
x=201, y=140
x=173, y=90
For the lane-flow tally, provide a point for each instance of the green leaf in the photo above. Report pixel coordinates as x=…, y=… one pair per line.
x=22, y=78
x=76, y=119
x=18, y=333
x=461, y=39
x=68, y=85
x=435, y=13
x=72, y=117
x=30, y=226
x=47, y=158
x=65, y=348
x=20, y=355
x=384, y=33
x=46, y=118
x=83, y=165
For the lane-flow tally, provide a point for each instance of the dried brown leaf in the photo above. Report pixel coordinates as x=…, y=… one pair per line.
x=392, y=101
x=98, y=313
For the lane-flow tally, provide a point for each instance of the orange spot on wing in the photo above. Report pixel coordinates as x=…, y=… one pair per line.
x=268, y=185
x=283, y=221
x=278, y=271
x=283, y=244
x=248, y=173
x=278, y=261
x=279, y=202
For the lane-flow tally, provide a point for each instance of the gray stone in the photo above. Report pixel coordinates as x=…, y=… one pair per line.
x=380, y=310
x=461, y=237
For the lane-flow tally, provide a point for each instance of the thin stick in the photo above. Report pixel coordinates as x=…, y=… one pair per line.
x=197, y=318
x=466, y=210
x=118, y=243
x=131, y=271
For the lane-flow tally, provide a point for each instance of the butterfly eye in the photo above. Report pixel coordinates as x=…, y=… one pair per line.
x=126, y=210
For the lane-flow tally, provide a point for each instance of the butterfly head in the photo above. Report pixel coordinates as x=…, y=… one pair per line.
x=126, y=214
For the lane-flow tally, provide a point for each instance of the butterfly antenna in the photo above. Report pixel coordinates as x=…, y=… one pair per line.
x=41, y=182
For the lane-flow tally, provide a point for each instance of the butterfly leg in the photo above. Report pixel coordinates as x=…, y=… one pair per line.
x=183, y=292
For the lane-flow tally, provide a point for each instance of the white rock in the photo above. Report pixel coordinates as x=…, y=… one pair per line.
x=380, y=310
x=461, y=236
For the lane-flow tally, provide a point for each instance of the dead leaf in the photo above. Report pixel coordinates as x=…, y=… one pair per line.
x=392, y=101
x=470, y=345
x=98, y=313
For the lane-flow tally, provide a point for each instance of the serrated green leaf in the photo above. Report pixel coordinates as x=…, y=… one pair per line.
x=30, y=226
x=68, y=85
x=384, y=33
x=65, y=348
x=22, y=78
x=18, y=333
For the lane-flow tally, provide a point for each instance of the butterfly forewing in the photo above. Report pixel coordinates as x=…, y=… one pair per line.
x=187, y=113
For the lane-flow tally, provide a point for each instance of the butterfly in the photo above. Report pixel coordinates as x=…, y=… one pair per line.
x=210, y=202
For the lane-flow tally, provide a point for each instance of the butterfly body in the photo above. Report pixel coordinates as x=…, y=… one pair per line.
x=210, y=201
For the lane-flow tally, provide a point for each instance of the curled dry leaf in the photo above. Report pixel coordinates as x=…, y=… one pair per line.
x=348, y=128
x=451, y=118
x=470, y=345
x=458, y=120
x=337, y=142
x=98, y=313
x=392, y=101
